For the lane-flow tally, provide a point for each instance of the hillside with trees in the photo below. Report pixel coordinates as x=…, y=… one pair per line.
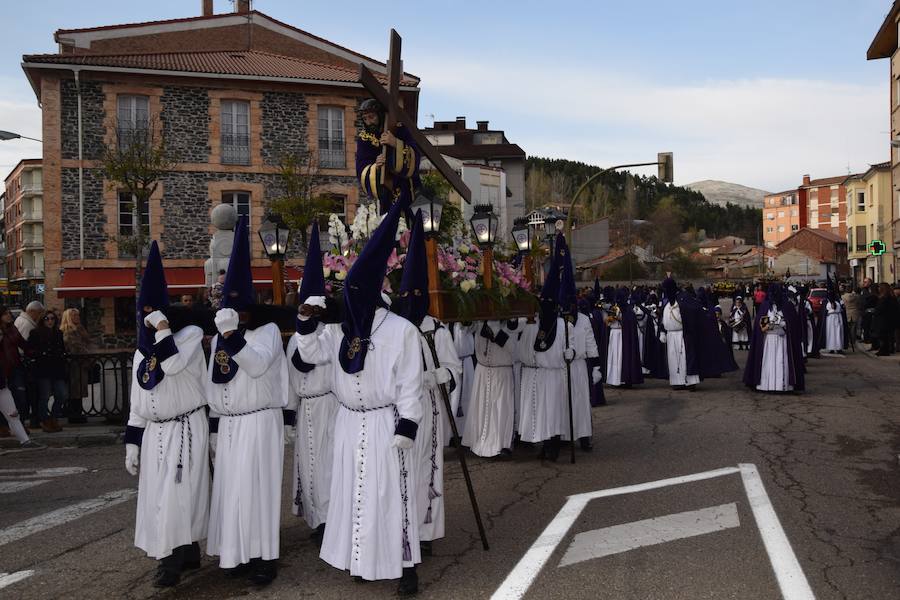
x=669, y=209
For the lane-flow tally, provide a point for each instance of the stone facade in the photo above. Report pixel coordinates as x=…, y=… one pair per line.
x=95, y=236
x=185, y=119
x=91, y=119
x=284, y=126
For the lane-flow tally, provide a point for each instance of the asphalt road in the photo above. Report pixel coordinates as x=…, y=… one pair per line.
x=828, y=461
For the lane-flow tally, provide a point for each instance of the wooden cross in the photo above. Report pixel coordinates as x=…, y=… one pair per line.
x=390, y=100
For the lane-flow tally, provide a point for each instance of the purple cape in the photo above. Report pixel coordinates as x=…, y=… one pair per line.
x=753, y=370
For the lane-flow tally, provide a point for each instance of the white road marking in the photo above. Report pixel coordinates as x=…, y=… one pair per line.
x=11, y=487
x=791, y=578
x=648, y=532
x=524, y=573
x=7, y=579
x=64, y=515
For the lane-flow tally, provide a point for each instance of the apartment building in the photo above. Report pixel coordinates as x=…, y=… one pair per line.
x=826, y=204
x=784, y=214
x=869, y=201
x=23, y=231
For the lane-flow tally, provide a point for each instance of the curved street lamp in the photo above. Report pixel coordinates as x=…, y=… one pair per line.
x=5, y=136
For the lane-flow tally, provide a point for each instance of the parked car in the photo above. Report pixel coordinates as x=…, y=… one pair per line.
x=817, y=297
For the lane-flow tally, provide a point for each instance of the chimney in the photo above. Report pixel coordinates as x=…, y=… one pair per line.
x=806, y=180
x=482, y=125
x=207, y=6
x=461, y=121
x=242, y=6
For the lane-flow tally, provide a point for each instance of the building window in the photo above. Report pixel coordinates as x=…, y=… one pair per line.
x=235, y=132
x=770, y=216
x=850, y=237
x=770, y=229
x=813, y=218
x=795, y=212
x=795, y=228
x=127, y=231
x=239, y=200
x=124, y=314
x=780, y=214
x=861, y=241
x=331, y=138
x=133, y=119
x=781, y=229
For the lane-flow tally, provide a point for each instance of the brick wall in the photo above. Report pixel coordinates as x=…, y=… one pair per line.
x=816, y=245
x=185, y=115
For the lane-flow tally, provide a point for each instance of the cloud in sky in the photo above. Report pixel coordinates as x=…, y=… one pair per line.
x=21, y=114
x=763, y=132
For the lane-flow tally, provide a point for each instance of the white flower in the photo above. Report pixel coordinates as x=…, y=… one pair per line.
x=461, y=264
x=340, y=275
x=326, y=272
x=463, y=249
x=466, y=285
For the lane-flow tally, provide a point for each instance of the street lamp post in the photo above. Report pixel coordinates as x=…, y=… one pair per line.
x=431, y=209
x=5, y=136
x=484, y=225
x=275, y=235
x=522, y=236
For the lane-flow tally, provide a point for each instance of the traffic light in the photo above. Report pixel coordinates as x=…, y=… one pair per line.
x=666, y=169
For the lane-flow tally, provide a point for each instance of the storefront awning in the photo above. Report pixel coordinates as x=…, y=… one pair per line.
x=119, y=282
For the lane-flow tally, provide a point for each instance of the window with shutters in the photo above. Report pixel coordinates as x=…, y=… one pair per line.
x=332, y=153
x=235, y=132
x=132, y=119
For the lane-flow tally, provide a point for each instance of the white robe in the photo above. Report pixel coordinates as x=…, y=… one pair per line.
x=464, y=341
x=543, y=391
x=171, y=514
x=614, y=354
x=834, y=325
x=316, y=410
x=372, y=511
x=675, y=351
x=581, y=338
x=429, y=448
x=641, y=318
x=742, y=336
x=489, y=428
x=245, y=512
x=774, y=373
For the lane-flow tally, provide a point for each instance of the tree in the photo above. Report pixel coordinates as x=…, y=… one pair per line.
x=301, y=203
x=135, y=164
x=434, y=185
x=665, y=227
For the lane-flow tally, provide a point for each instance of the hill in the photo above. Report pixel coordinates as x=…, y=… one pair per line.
x=723, y=192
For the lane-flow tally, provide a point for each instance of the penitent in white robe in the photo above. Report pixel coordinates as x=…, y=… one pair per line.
x=489, y=428
x=543, y=389
x=641, y=318
x=372, y=513
x=774, y=375
x=245, y=511
x=172, y=514
x=429, y=448
x=834, y=325
x=581, y=338
x=614, y=354
x=675, y=351
x=316, y=410
x=464, y=342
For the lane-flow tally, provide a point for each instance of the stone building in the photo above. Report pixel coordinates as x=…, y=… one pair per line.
x=232, y=95
x=23, y=231
x=829, y=248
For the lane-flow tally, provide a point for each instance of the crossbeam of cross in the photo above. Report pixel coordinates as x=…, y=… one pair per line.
x=390, y=100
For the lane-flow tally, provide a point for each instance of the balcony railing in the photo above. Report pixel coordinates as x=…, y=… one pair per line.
x=30, y=241
x=31, y=189
x=32, y=272
x=333, y=158
x=235, y=149
x=33, y=215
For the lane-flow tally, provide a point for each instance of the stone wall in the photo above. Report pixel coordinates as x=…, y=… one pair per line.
x=94, y=218
x=284, y=126
x=91, y=119
x=185, y=120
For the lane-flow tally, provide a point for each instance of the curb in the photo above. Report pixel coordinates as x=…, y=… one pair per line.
x=76, y=439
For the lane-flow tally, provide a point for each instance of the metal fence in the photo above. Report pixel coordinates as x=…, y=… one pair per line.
x=99, y=385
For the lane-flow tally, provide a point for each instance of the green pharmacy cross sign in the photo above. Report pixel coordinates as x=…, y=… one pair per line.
x=876, y=247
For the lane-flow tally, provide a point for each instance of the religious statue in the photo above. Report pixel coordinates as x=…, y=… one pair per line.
x=387, y=163
x=224, y=218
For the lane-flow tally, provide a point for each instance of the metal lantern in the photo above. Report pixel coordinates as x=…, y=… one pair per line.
x=549, y=226
x=521, y=235
x=431, y=209
x=274, y=235
x=484, y=225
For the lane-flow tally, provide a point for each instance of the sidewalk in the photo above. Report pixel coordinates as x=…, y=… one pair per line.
x=96, y=433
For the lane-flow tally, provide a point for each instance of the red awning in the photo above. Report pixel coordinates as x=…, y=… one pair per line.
x=119, y=282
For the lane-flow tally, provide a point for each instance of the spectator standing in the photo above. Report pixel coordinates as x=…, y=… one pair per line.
x=23, y=380
x=884, y=320
x=759, y=296
x=78, y=342
x=7, y=404
x=215, y=292
x=853, y=305
x=869, y=300
x=50, y=357
x=12, y=347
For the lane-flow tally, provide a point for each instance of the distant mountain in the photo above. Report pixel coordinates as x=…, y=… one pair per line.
x=722, y=192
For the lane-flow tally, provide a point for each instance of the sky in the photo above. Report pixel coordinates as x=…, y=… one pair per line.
x=757, y=93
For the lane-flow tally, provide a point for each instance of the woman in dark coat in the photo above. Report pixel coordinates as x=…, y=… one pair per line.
x=49, y=353
x=884, y=320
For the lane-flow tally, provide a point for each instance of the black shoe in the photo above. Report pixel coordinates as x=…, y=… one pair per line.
x=505, y=454
x=692, y=388
x=586, y=444
x=169, y=571
x=241, y=570
x=679, y=388
x=425, y=548
x=550, y=448
x=190, y=556
x=409, y=582
x=263, y=572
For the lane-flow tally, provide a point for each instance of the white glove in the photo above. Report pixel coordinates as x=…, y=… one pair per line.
x=226, y=320
x=402, y=442
x=442, y=375
x=569, y=354
x=662, y=337
x=213, y=439
x=596, y=375
x=154, y=319
x=318, y=301
x=132, y=458
x=428, y=380
x=290, y=434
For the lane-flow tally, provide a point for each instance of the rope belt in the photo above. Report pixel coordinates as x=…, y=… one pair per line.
x=365, y=410
x=314, y=396
x=182, y=418
x=530, y=367
x=249, y=412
